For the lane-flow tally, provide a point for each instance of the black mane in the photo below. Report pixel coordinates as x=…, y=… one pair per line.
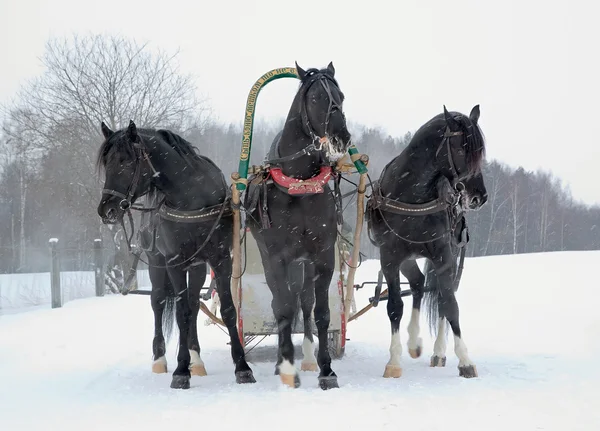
x=118, y=143
x=474, y=139
x=475, y=143
x=310, y=73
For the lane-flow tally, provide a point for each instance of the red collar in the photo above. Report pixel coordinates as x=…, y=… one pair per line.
x=310, y=186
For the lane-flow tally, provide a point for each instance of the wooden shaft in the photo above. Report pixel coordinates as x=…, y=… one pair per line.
x=360, y=215
x=364, y=310
x=212, y=317
x=237, y=249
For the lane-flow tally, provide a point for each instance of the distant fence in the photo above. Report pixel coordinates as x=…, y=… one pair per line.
x=56, y=287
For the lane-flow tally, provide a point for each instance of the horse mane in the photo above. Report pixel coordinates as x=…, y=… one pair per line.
x=474, y=146
x=475, y=143
x=118, y=143
x=310, y=73
x=112, y=145
x=310, y=77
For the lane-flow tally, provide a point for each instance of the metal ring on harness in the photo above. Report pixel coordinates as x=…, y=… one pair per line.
x=124, y=205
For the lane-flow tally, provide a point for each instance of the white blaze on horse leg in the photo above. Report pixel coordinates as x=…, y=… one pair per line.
x=196, y=364
x=439, y=347
x=415, y=343
x=195, y=358
x=460, y=348
x=395, y=349
x=159, y=365
x=393, y=368
x=309, y=361
x=287, y=368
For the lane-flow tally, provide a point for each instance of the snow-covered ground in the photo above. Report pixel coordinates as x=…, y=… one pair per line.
x=531, y=323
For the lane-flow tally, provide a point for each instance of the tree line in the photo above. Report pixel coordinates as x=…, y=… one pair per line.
x=51, y=132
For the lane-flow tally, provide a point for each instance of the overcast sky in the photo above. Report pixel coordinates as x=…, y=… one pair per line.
x=532, y=65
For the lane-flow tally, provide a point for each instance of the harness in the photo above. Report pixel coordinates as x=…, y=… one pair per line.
x=162, y=211
x=271, y=172
x=448, y=200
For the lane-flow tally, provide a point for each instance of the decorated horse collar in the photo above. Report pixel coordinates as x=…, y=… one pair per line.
x=294, y=186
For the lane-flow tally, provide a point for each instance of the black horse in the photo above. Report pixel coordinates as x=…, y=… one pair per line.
x=295, y=222
x=417, y=210
x=192, y=226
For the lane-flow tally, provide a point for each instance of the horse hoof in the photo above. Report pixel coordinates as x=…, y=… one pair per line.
x=328, y=382
x=467, y=371
x=309, y=366
x=392, y=371
x=276, y=370
x=198, y=370
x=159, y=368
x=180, y=382
x=242, y=377
x=415, y=353
x=437, y=361
x=291, y=380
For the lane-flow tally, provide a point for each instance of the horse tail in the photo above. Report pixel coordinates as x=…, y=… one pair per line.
x=168, y=317
x=431, y=298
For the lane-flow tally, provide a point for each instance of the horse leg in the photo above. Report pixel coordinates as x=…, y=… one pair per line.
x=443, y=267
x=272, y=284
x=439, y=347
x=289, y=279
x=437, y=321
x=197, y=277
x=158, y=299
x=390, y=266
x=307, y=302
x=324, y=264
x=181, y=375
x=415, y=277
x=221, y=265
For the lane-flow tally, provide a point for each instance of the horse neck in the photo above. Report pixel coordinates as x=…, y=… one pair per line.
x=185, y=186
x=411, y=177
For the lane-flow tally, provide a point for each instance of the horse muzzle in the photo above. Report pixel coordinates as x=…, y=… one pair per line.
x=476, y=201
x=335, y=147
x=112, y=212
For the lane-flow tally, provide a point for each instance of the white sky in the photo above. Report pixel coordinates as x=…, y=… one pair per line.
x=532, y=65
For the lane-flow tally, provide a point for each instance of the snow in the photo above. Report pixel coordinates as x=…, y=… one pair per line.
x=530, y=323
x=32, y=291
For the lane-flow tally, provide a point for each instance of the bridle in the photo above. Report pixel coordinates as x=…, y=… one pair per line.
x=318, y=142
x=194, y=216
x=453, y=150
x=325, y=81
x=126, y=203
x=127, y=198
x=448, y=201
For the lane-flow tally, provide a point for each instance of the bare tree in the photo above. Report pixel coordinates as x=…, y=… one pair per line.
x=92, y=79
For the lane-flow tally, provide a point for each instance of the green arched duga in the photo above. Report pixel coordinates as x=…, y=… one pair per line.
x=272, y=75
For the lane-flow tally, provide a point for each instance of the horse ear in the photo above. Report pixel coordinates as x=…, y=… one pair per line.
x=450, y=121
x=301, y=72
x=474, y=115
x=330, y=68
x=132, y=131
x=106, y=131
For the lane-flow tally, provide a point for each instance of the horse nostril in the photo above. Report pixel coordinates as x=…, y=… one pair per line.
x=475, y=201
